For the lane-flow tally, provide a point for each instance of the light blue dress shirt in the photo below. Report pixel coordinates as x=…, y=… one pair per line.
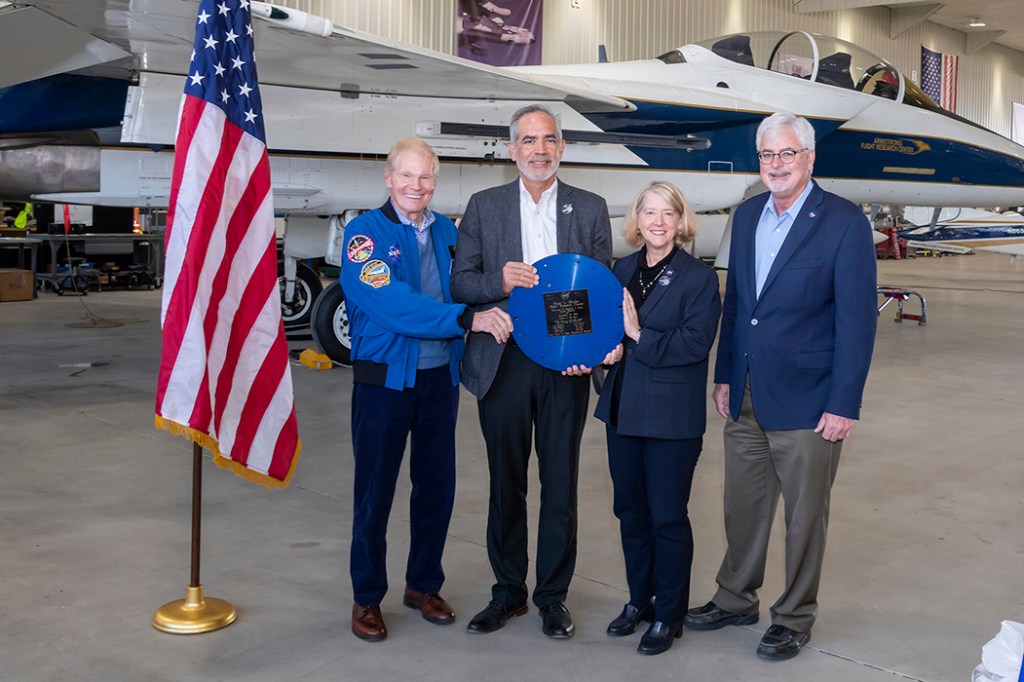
x=772, y=230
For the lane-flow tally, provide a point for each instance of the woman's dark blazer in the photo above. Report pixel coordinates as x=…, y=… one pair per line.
x=664, y=391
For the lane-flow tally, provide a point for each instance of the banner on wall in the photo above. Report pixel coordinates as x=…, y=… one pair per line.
x=502, y=33
x=939, y=77
x=1017, y=123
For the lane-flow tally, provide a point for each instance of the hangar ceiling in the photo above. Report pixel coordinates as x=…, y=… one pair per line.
x=1004, y=19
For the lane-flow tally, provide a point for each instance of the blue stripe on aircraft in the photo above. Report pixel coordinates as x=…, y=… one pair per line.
x=955, y=233
x=62, y=102
x=841, y=154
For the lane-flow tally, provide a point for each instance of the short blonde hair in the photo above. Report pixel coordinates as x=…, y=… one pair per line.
x=675, y=199
x=411, y=144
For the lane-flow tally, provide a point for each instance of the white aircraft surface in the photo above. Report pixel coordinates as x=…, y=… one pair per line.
x=965, y=228
x=336, y=99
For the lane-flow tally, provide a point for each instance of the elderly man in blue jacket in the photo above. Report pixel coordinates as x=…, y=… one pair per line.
x=798, y=327
x=407, y=342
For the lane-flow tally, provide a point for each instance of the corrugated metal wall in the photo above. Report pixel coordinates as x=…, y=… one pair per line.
x=990, y=80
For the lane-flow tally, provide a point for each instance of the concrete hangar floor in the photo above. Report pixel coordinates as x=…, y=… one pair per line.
x=924, y=558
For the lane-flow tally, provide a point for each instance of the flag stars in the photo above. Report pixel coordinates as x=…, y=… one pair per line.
x=226, y=77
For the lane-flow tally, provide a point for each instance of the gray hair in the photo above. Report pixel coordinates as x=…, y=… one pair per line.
x=513, y=124
x=415, y=146
x=783, y=119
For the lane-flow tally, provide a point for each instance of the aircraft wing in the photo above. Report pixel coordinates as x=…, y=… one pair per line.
x=121, y=37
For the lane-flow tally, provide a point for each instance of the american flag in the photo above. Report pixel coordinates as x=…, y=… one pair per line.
x=225, y=381
x=939, y=76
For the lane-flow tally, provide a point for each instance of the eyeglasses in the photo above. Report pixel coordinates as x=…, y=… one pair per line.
x=786, y=155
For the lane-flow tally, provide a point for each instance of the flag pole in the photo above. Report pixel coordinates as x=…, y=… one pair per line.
x=195, y=614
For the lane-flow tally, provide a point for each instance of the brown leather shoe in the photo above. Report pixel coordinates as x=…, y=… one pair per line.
x=432, y=605
x=368, y=623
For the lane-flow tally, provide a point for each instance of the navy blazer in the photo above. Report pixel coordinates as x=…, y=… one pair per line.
x=806, y=342
x=665, y=389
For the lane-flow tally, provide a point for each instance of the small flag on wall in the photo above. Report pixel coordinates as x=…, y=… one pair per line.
x=225, y=382
x=939, y=77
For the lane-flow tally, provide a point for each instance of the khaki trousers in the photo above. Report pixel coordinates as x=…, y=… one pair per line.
x=759, y=465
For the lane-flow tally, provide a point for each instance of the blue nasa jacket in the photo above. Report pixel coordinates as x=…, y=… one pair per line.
x=387, y=314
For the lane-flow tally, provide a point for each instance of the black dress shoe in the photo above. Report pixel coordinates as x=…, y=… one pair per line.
x=557, y=621
x=711, y=616
x=658, y=638
x=780, y=643
x=495, y=616
x=626, y=622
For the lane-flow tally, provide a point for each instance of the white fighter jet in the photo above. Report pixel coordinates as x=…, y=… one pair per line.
x=964, y=229
x=336, y=99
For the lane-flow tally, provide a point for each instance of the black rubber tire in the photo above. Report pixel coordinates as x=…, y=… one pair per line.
x=329, y=325
x=307, y=290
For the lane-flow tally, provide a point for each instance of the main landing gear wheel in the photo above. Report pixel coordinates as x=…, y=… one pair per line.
x=307, y=289
x=330, y=325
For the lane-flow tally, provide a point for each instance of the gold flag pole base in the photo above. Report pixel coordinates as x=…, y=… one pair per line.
x=194, y=614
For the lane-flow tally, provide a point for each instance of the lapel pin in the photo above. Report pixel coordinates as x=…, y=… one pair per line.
x=813, y=214
x=567, y=209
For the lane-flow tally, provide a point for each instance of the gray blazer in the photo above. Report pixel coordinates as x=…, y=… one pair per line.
x=490, y=235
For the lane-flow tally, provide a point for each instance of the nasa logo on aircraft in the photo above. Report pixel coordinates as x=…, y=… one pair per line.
x=376, y=274
x=359, y=249
x=394, y=253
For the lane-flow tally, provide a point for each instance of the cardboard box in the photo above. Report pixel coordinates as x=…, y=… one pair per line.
x=16, y=285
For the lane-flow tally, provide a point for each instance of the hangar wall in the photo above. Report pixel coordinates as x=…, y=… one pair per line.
x=990, y=80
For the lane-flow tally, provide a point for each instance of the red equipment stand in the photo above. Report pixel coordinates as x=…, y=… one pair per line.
x=899, y=294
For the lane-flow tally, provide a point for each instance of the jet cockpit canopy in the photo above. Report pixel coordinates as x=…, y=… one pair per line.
x=821, y=59
x=817, y=58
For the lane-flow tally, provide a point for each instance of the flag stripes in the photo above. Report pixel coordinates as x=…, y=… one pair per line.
x=939, y=77
x=224, y=377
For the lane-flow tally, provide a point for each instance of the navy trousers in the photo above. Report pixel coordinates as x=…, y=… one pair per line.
x=382, y=420
x=652, y=479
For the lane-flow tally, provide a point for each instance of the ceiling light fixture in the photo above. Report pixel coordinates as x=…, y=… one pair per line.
x=976, y=23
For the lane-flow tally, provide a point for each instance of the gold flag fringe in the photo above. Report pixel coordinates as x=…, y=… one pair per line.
x=209, y=443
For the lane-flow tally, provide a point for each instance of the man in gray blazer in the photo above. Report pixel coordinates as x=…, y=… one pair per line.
x=504, y=230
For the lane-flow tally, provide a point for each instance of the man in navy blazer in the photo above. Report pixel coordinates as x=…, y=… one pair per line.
x=798, y=327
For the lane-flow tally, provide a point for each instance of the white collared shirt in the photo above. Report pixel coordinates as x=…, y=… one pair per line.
x=539, y=223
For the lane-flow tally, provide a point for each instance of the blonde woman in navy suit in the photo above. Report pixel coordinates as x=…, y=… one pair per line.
x=654, y=406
